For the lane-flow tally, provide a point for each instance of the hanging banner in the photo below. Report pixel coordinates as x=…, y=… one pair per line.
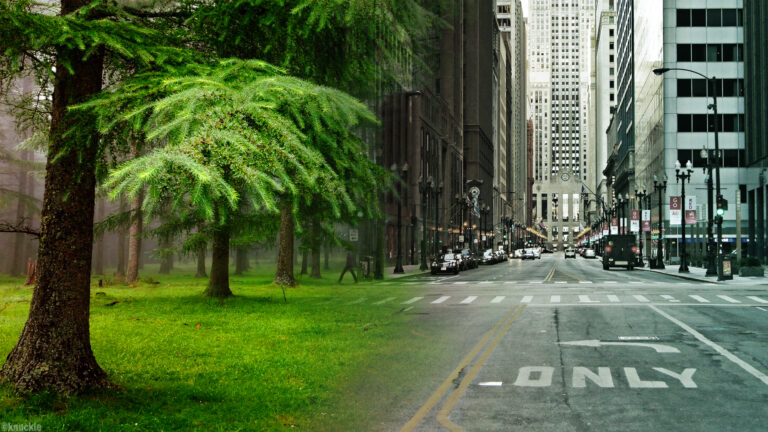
x=605, y=229
x=690, y=202
x=634, y=217
x=675, y=210
x=646, y=221
x=614, y=226
x=624, y=226
x=690, y=217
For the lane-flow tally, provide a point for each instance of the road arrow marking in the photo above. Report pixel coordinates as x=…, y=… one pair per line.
x=659, y=348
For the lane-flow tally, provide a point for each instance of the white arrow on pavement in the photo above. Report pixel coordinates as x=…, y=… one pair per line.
x=659, y=348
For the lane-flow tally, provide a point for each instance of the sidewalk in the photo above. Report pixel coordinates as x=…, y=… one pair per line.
x=410, y=270
x=698, y=274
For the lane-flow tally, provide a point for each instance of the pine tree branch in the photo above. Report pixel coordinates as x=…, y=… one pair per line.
x=19, y=228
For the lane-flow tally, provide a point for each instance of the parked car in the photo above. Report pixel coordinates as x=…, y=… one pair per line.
x=518, y=253
x=469, y=258
x=570, y=253
x=501, y=256
x=529, y=254
x=446, y=263
x=589, y=253
x=537, y=253
x=489, y=257
x=547, y=251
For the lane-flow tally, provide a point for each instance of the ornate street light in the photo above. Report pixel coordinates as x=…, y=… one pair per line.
x=640, y=194
x=683, y=175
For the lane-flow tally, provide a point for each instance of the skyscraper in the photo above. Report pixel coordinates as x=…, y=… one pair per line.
x=559, y=46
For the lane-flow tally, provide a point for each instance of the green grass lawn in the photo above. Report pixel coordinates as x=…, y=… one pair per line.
x=251, y=362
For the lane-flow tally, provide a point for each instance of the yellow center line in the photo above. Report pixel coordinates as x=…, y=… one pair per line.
x=570, y=275
x=551, y=272
x=450, y=402
x=435, y=398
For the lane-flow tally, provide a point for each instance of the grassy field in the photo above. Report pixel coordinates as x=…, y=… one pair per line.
x=251, y=362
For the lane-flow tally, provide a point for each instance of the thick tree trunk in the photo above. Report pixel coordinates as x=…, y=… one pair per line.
x=218, y=284
x=98, y=252
x=284, y=273
x=304, y=259
x=134, y=241
x=166, y=260
x=18, y=260
x=201, y=263
x=316, y=263
x=121, y=243
x=241, y=260
x=54, y=349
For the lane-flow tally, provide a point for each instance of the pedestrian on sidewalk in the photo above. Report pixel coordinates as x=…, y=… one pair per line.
x=349, y=266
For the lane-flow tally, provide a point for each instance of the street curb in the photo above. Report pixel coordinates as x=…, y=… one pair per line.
x=681, y=276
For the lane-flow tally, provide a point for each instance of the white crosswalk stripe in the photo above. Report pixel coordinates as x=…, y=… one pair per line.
x=510, y=282
x=485, y=282
x=613, y=298
x=554, y=299
x=526, y=299
x=586, y=299
x=413, y=300
x=670, y=298
x=460, y=283
x=360, y=300
x=497, y=299
x=610, y=282
x=441, y=299
x=641, y=298
x=728, y=299
x=757, y=299
x=535, y=282
x=469, y=300
x=699, y=299
x=585, y=282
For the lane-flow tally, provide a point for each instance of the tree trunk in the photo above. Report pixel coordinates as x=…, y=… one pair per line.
x=284, y=273
x=241, y=260
x=121, y=240
x=54, y=349
x=98, y=253
x=304, y=259
x=315, y=263
x=327, y=251
x=20, y=240
x=166, y=259
x=201, y=263
x=134, y=239
x=218, y=284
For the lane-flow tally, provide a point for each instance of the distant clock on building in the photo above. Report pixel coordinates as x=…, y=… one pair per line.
x=565, y=177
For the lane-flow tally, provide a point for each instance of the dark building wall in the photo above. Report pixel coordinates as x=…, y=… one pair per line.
x=756, y=80
x=625, y=110
x=479, y=23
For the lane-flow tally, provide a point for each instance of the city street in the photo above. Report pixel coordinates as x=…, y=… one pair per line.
x=556, y=344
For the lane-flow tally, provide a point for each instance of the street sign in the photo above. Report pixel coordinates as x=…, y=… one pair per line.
x=675, y=210
x=461, y=239
x=614, y=226
x=690, y=217
x=353, y=234
x=646, y=220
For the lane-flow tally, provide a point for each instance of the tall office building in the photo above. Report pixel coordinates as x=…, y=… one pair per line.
x=559, y=47
x=604, y=102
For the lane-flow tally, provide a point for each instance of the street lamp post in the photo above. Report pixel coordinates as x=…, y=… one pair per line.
x=437, y=191
x=640, y=195
x=555, y=231
x=683, y=175
x=404, y=172
x=660, y=186
x=424, y=186
x=718, y=220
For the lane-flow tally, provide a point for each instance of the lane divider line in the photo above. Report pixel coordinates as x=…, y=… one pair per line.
x=440, y=392
x=453, y=398
x=722, y=351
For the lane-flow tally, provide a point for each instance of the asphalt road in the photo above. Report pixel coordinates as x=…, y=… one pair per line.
x=562, y=345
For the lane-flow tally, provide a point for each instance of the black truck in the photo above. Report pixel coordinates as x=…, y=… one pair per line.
x=620, y=251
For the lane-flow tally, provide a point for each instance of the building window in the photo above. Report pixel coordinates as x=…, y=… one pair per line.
x=710, y=18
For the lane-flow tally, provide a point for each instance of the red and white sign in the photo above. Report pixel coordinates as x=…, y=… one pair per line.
x=605, y=229
x=614, y=226
x=690, y=217
x=646, y=221
x=675, y=210
x=634, y=217
x=690, y=202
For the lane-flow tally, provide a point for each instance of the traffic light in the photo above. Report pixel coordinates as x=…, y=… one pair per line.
x=722, y=205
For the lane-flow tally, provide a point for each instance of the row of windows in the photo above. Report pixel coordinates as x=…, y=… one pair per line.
x=710, y=52
x=698, y=87
x=706, y=122
x=710, y=18
x=729, y=158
